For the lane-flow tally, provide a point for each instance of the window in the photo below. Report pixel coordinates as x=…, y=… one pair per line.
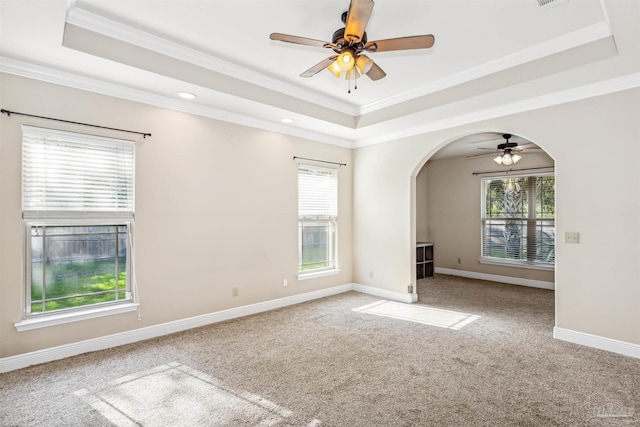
x=317, y=218
x=518, y=220
x=77, y=201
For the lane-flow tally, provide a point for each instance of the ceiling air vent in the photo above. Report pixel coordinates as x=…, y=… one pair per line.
x=546, y=4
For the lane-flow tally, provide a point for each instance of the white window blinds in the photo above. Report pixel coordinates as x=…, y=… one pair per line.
x=518, y=219
x=69, y=174
x=317, y=192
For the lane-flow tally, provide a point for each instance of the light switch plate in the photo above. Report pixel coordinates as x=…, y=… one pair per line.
x=571, y=237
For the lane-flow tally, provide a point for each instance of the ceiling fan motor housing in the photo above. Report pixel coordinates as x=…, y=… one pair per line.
x=507, y=145
x=339, y=40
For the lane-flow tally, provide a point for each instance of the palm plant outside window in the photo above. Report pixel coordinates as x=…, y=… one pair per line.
x=518, y=220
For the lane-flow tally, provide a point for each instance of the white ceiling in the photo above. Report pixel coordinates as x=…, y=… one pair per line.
x=488, y=55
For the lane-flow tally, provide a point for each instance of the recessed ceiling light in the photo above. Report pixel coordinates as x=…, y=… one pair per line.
x=187, y=95
x=287, y=121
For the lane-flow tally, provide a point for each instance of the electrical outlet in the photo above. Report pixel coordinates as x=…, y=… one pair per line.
x=571, y=237
x=459, y=260
x=284, y=282
x=235, y=292
x=371, y=275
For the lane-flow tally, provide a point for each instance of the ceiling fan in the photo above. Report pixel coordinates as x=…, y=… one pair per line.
x=508, y=152
x=350, y=43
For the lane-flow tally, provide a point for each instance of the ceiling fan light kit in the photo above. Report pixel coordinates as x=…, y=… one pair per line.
x=364, y=64
x=335, y=69
x=507, y=159
x=345, y=60
x=351, y=42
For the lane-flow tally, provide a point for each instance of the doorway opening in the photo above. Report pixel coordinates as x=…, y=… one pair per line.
x=477, y=220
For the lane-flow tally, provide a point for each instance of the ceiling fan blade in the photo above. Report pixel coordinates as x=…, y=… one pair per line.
x=300, y=40
x=319, y=67
x=401, y=43
x=376, y=73
x=357, y=18
x=531, y=150
x=480, y=155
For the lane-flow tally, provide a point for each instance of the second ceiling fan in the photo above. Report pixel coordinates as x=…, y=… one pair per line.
x=508, y=152
x=350, y=43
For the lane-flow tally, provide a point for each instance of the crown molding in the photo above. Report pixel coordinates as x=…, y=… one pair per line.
x=64, y=78
x=604, y=87
x=110, y=28
x=38, y=72
x=563, y=43
x=113, y=29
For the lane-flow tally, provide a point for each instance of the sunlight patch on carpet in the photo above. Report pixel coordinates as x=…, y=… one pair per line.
x=176, y=395
x=419, y=314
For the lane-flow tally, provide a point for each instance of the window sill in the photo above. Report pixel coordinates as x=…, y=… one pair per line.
x=516, y=264
x=316, y=274
x=44, y=321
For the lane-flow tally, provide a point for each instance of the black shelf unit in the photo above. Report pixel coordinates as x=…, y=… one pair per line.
x=424, y=260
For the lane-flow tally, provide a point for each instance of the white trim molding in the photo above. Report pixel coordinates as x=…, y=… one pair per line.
x=44, y=321
x=591, y=90
x=107, y=27
x=316, y=274
x=595, y=341
x=516, y=263
x=497, y=278
x=581, y=37
x=385, y=293
x=109, y=341
x=68, y=79
x=75, y=81
x=101, y=343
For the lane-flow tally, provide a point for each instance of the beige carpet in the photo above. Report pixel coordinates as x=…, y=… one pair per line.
x=176, y=395
x=470, y=353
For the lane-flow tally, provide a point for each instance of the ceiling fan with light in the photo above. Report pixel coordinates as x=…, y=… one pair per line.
x=508, y=152
x=350, y=43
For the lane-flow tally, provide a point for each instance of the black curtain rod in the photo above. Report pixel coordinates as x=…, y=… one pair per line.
x=321, y=161
x=9, y=113
x=512, y=170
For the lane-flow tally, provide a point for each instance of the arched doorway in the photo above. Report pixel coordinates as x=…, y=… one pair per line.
x=513, y=240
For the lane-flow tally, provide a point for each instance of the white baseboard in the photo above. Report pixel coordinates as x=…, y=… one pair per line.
x=101, y=343
x=496, y=278
x=384, y=293
x=595, y=341
x=60, y=352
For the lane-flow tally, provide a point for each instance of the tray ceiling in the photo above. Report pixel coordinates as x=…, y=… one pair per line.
x=220, y=50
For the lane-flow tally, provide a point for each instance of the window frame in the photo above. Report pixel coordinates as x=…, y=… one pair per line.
x=511, y=262
x=29, y=224
x=330, y=221
x=332, y=233
x=37, y=213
